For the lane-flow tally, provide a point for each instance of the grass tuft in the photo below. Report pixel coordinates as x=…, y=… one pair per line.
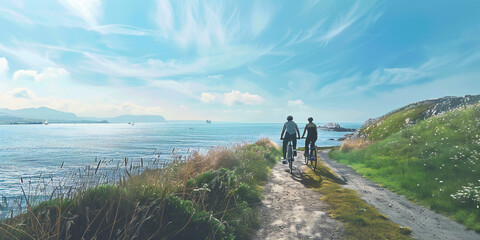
x=354, y=144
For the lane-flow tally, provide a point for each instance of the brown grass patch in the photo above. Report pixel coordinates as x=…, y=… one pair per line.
x=354, y=144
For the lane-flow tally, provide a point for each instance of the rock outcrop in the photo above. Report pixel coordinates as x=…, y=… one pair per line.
x=335, y=127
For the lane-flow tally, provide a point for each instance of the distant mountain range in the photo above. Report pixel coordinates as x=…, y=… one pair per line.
x=39, y=115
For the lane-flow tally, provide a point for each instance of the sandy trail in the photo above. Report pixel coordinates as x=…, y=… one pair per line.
x=425, y=223
x=290, y=210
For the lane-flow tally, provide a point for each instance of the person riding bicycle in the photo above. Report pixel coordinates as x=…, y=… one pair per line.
x=290, y=129
x=311, y=135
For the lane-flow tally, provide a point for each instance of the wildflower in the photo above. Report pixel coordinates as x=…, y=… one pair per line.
x=440, y=181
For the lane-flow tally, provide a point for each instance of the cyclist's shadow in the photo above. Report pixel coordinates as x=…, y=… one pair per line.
x=298, y=172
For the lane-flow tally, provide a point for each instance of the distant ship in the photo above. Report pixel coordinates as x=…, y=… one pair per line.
x=45, y=123
x=209, y=121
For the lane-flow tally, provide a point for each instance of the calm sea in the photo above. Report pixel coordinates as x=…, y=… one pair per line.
x=30, y=150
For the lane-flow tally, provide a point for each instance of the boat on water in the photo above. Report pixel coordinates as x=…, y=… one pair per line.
x=209, y=121
x=45, y=123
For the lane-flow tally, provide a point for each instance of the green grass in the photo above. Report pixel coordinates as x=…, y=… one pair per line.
x=211, y=196
x=393, y=123
x=435, y=162
x=361, y=220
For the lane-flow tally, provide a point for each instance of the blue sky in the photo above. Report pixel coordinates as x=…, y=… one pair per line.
x=247, y=61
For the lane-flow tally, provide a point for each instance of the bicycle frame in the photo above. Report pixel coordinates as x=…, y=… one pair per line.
x=312, y=156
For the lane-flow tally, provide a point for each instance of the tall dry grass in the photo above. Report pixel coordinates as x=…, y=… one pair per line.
x=355, y=144
x=185, y=197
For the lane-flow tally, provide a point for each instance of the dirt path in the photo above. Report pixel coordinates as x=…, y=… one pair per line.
x=290, y=210
x=425, y=224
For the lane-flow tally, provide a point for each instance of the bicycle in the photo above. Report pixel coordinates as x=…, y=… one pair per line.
x=290, y=155
x=312, y=156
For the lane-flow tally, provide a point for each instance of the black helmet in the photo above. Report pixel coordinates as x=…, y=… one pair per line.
x=289, y=118
x=310, y=119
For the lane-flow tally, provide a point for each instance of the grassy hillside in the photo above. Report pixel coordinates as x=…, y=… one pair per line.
x=394, y=122
x=435, y=162
x=413, y=113
x=211, y=196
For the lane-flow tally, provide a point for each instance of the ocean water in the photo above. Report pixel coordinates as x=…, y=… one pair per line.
x=30, y=151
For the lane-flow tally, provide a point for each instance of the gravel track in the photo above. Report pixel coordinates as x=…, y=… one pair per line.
x=291, y=210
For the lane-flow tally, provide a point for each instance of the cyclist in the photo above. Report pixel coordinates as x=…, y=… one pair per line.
x=311, y=135
x=290, y=129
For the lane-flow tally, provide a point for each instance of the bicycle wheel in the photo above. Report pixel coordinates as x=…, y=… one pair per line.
x=306, y=158
x=314, y=158
x=290, y=158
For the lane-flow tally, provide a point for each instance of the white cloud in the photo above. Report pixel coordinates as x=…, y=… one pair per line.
x=207, y=97
x=46, y=74
x=25, y=74
x=232, y=98
x=236, y=97
x=88, y=10
x=295, y=103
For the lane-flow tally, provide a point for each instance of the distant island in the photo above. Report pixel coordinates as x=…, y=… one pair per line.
x=335, y=127
x=42, y=114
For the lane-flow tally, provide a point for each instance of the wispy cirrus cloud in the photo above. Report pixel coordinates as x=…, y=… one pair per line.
x=122, y=30
x=359, y=12
x=30, y=56
x=334, y=20
x=204, y=24
x=262, y=14
x=15, y=16
x=156, y=68
x=192, y=23
x=90, y=11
